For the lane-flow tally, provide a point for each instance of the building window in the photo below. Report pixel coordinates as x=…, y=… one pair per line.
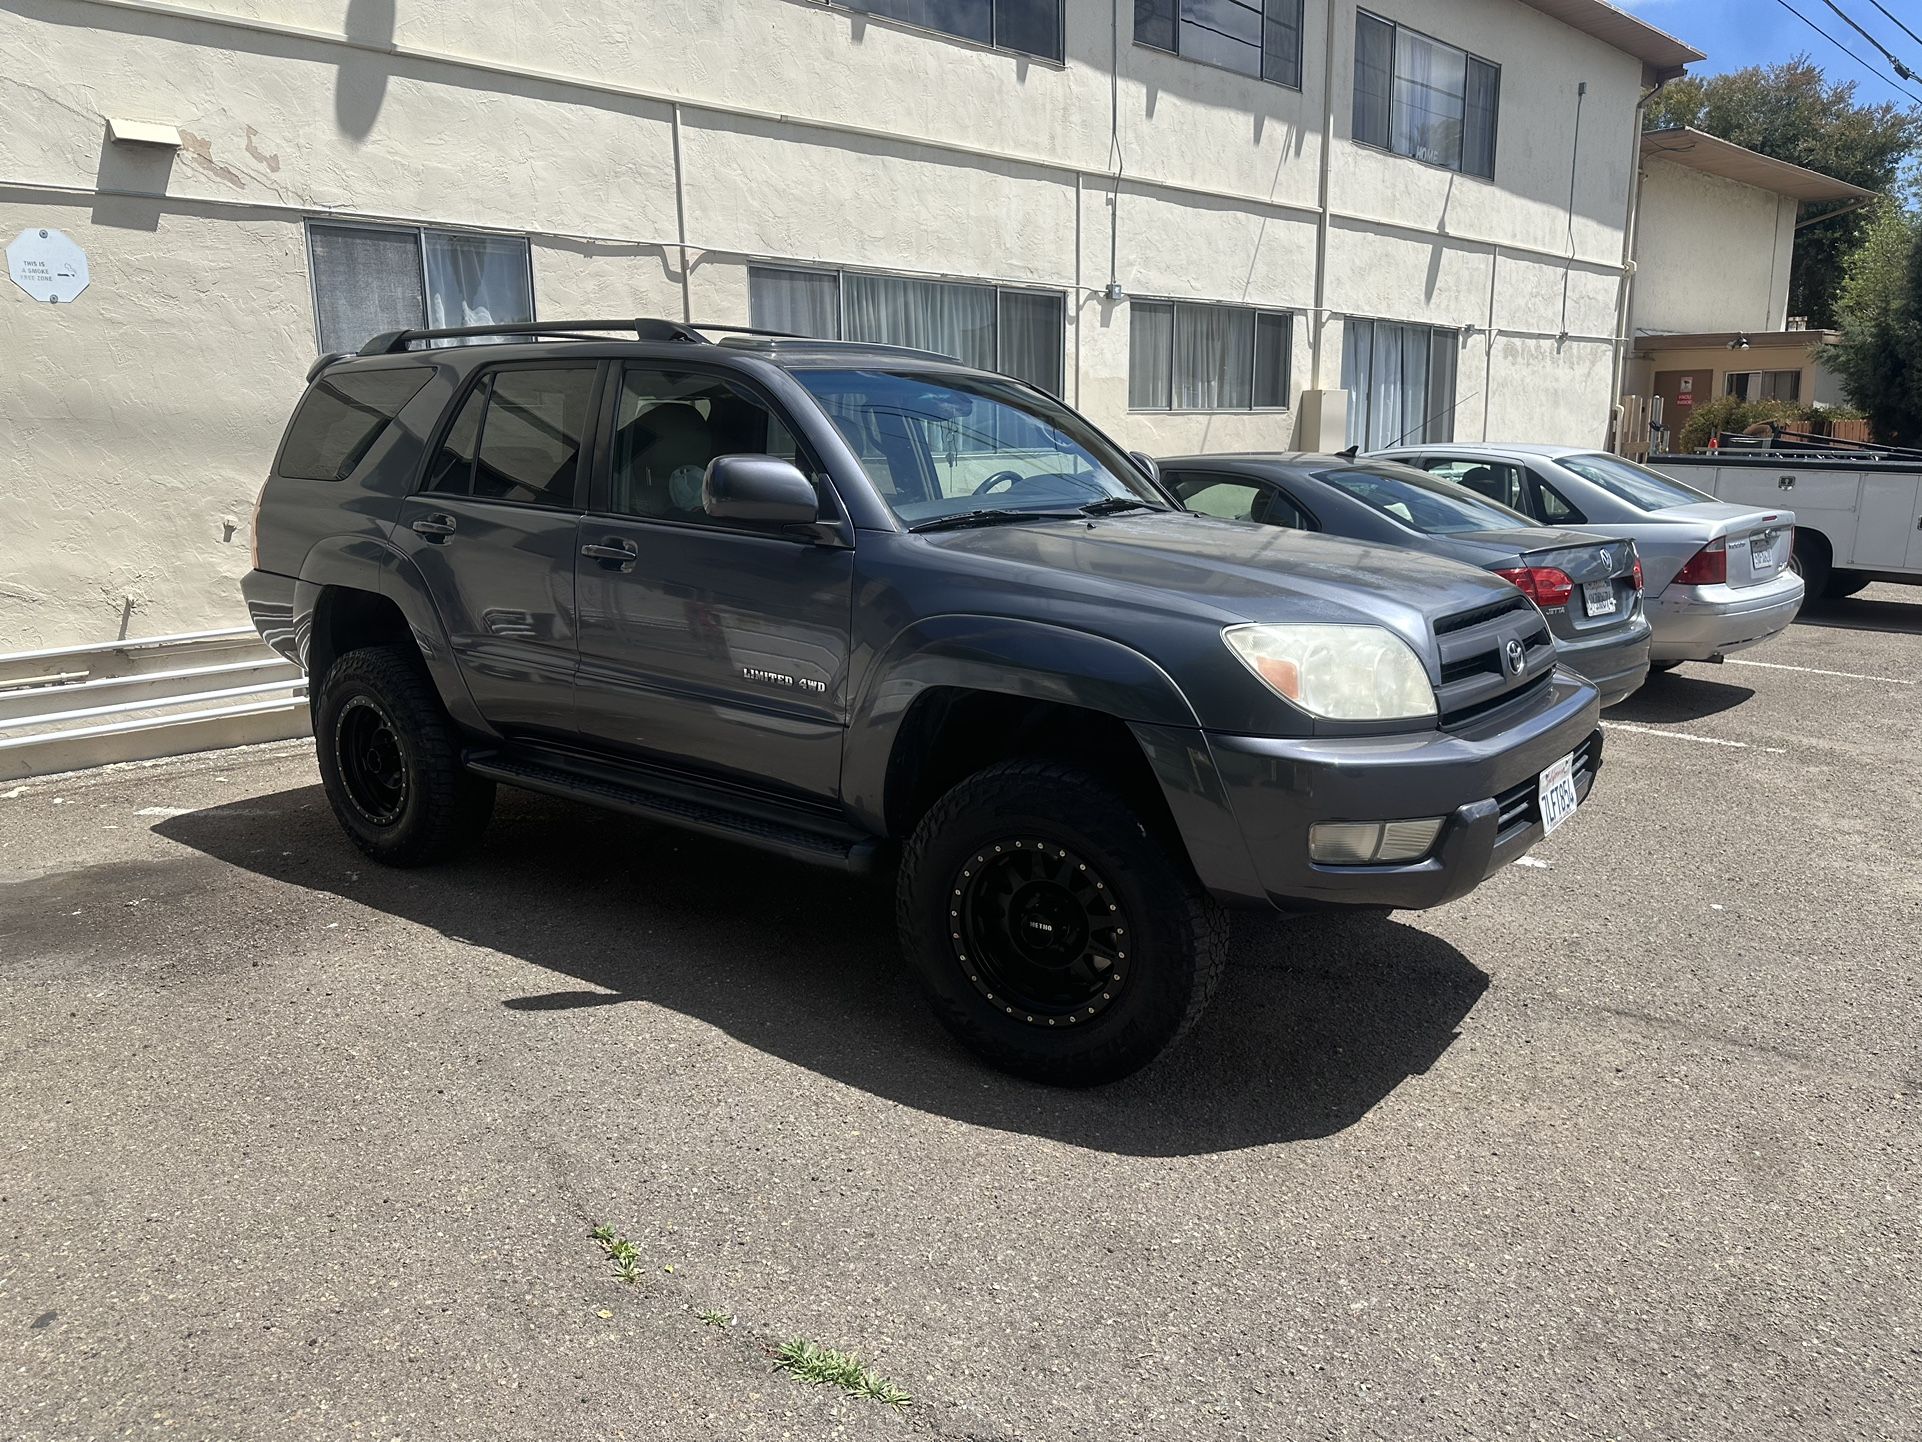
x=1184, y=357
x=1419, y=97
x=1765, y=385
x=1020, y=333
x=1400, y=381
x=1032, y=27
x=1257, y=37
x=368, y=280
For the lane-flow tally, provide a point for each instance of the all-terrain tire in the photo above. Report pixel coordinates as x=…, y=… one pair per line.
x=1173, y=950
x=422, y=805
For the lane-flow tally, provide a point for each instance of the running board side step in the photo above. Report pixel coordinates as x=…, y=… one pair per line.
x=841, y=849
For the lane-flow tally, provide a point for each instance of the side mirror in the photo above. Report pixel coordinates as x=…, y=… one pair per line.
x=1147, y=463
x=758, y=489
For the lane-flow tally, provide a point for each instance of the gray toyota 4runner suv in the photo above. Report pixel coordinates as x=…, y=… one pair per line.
x=861, y=605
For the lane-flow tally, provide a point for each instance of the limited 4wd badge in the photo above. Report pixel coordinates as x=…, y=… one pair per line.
x=781, y=678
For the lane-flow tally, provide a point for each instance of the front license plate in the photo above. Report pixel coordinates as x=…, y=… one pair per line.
x=1558, y=794
x=1599, y=597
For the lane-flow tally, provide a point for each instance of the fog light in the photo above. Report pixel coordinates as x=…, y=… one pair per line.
x=1360, y=843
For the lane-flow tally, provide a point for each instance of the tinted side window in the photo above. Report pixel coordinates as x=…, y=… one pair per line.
x=530, y=442
x=669, y=425
x=1492, y=480
x=1209, y=496
x=453, y=467
x=342, y=416
x=1551, y=506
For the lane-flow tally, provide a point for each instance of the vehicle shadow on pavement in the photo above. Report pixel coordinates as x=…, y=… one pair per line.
x=1863, y=613
x=1317, y=1021
x=1672, y=696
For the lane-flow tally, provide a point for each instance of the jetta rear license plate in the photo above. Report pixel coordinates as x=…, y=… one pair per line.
x=1599, y=597
x=1558, y=794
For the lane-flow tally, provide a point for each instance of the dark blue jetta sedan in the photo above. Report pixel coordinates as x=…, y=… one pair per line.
x=1588, y=586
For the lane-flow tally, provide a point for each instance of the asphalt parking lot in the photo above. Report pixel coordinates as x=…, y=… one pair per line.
x=1625, y=1145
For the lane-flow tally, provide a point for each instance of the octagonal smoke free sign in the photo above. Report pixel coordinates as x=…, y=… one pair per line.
x=47, y=265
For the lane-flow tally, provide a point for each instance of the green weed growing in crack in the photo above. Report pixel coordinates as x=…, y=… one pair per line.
x=715, y=1317
x=622, y=1255
x=820, y=1366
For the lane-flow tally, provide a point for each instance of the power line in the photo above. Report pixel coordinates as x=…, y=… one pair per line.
x=1898, y=24
x=1846, y=51
x=1887, y=54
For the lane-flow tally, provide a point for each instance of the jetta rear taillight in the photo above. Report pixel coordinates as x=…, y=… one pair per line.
x=1544, y=585
x=1639, y=583
x=1707, y=567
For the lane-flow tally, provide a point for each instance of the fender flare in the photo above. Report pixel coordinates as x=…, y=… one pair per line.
x=1029, y=659
x=368, y=563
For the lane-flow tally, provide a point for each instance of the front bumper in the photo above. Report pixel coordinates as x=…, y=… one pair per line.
x=1617, y=664
x=1695, y=623
x=1481, y=780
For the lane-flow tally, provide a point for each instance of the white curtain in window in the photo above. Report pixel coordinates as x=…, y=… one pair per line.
x=1151, y=354
x=1214, y=358
x=1384, y=401
x=477, y=280
x=365, y=281
x=800, y=302
x=1357, y=376
x=956, y=320
x=1431, y=82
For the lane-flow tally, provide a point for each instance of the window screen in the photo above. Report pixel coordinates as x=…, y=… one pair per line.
x=365, y=282
x=1400, y=381
x=341, y=417
x=530, y=440
x=1191, y=357
x=1419, y=97
x=1020, y=333
x=1255, y=37
x=368, y=280
x=1030, y=26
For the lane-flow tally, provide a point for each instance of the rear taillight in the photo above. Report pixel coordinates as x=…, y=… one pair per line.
x=1638, y=573
x=1707, y=567
x=1544, y=585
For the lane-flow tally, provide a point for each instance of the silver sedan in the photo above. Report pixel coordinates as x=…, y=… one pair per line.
x=1718, y=576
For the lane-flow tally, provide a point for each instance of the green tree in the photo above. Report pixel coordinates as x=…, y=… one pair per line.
x=1792, y=112
x=1879, y=312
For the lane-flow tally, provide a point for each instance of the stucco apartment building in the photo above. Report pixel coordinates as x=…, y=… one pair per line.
x=1185, y=216
x=1715, y=232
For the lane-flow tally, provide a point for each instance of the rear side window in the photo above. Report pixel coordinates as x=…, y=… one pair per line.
x=341, y=417
x=518, y=437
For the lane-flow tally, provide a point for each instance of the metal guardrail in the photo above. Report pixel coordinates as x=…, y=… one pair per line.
x=66, y=708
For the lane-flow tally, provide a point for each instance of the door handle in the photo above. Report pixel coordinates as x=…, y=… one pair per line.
x=435, y=528
x=621, y=555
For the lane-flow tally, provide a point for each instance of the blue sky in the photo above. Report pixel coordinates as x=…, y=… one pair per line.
x=1735, y=33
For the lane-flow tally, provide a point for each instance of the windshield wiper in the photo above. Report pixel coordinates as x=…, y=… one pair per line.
x=1114, y=505
x=991, y=517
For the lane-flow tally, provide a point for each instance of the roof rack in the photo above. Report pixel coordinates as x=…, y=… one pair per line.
x=643, y=328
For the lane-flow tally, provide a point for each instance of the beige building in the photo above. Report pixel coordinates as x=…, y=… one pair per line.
x=1715, y=233
x=1180, y=214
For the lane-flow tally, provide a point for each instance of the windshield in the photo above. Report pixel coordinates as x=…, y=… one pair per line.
x=939, y=445
x=1642, y=488
x=1420, y=502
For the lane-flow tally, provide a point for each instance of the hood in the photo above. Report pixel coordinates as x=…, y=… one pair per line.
x=1230, y=571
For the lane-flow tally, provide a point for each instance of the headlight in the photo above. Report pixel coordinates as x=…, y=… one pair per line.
x=1344, y=673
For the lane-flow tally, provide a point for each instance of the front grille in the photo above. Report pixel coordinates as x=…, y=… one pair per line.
x=1521, y=803
x=1475, y=674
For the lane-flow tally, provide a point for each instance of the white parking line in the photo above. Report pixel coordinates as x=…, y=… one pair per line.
x=1691, y=736
x=1818, y=671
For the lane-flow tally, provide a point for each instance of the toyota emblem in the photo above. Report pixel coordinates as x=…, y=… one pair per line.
x=1517, y=658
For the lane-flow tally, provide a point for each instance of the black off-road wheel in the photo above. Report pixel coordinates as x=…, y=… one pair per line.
x=1054, y=933
x=390, y=761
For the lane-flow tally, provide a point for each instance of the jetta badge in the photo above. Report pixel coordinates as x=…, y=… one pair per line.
x=1517, y=658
